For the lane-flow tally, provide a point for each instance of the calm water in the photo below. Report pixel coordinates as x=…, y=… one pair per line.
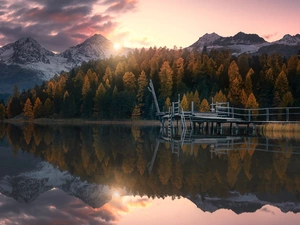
x=138, y=175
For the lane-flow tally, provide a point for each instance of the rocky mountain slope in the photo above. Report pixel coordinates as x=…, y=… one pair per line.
x=249, y=43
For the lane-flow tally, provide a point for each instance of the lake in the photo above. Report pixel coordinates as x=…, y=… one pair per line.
x=128, y=174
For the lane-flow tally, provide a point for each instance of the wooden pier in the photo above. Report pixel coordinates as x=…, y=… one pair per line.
x=221, y=113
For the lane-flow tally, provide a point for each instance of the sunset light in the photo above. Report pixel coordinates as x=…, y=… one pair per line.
x=117, y=46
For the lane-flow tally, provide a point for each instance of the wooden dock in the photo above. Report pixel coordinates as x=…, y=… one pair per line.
x=221, y=113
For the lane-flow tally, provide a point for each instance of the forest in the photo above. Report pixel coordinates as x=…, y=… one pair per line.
x=119, y=156
x=116, y=88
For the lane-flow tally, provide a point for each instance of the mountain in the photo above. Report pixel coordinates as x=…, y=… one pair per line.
x=96, y=47
x=26, y=63
x=25, y=51
x=248, y=43
x=26, y=187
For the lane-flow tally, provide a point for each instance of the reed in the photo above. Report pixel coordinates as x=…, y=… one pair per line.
x=280, y=130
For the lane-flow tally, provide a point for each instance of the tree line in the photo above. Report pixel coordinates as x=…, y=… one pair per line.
x=116, y=88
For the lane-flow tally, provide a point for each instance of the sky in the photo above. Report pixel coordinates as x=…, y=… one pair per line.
x=58, y=25
x=56, y=207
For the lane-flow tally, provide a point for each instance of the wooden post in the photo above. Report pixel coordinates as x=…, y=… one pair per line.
x=232, y=112
x=268, y=114
x=287, y=114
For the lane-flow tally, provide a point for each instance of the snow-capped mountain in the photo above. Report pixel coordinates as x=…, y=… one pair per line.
x=289, y=40
x=26, y=63
x=25, y=51
x=248, y=43
x=96, y=47
x=27, y=186
x=245, y=203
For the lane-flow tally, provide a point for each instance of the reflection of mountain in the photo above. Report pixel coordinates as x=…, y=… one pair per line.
x=243, y=203
x=26, y=187
x=121, y=156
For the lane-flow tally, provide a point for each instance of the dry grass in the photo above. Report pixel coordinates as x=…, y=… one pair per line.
x=281, y=130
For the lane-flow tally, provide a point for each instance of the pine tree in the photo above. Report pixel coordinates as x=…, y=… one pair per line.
x=28, y=111
x=48, y=108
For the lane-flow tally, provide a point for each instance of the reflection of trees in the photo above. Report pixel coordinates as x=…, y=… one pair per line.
x=119, y=156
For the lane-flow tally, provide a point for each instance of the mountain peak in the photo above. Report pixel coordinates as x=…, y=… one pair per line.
x=289, y=40
x=24, y=51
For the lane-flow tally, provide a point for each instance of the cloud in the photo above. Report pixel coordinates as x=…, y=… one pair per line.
x=270, y=36
x=121, y=6
x=53, y=207
x=57, y=25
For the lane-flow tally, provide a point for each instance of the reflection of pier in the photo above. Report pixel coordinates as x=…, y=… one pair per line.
x=247, y=145
x=221, y=144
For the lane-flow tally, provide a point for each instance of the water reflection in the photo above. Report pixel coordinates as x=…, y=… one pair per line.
x=94, y=163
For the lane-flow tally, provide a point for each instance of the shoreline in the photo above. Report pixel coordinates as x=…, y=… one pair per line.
x=44, y=121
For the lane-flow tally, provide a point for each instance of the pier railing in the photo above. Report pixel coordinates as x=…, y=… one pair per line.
x=278, y=114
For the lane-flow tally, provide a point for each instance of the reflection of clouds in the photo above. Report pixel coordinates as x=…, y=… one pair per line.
x=53, y=207
x=56, y=207
x=266, y=209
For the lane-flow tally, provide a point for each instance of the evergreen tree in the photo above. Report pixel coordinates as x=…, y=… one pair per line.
x=28, y=111
x=48, y=108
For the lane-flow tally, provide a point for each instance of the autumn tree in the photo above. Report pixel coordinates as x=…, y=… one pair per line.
x=281, y=85
x=204, y=106
x=248, y=82
x=165, y=76
x=99, y=101
x=252, y=104
x=2, y=112
x=38, y=108
x=184, y=104
x=220, y=97
x=28, y=111
x=235, y=84
x=129, y=82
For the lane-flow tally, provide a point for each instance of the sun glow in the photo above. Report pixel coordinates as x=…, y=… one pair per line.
x=117, y=46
